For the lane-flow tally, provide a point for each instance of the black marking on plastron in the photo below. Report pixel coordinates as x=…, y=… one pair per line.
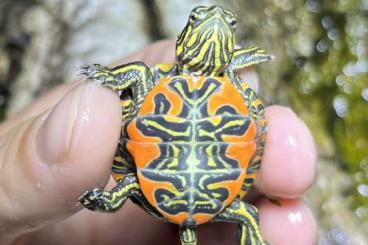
x=208, y=88
x=191, y=200
x=158, y=126
x=180, y=180
x=203, y=110
x=190, y=158
x=218, y=157
x=211, y=132
x=162, y=105
x=167, y=160
x=185, y=110
x=226, y=109
x=162, y=194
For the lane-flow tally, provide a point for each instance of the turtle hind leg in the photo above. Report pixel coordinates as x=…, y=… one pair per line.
x=188, y=235
x=246, y=216
x=110, y=201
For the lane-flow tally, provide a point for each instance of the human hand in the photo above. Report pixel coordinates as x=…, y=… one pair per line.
x=63, y=144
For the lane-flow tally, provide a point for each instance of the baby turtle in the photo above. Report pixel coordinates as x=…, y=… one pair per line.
x=193, y=132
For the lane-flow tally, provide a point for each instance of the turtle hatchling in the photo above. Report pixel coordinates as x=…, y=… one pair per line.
x=193, y=132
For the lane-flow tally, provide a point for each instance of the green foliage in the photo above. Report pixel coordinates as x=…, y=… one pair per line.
x=332, y=85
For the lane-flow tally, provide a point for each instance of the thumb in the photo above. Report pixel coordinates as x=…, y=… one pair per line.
x=48, y=161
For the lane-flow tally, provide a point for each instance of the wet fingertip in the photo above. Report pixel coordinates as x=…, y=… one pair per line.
x=289, y=162
x=290, y=223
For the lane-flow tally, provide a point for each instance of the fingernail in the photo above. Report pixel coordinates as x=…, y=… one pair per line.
x=56, y=132
x=250, y=76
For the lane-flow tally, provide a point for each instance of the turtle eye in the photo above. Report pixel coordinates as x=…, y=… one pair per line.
x=233, y=23
x=193, y=17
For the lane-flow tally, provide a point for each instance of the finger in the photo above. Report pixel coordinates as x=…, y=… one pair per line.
x=130, y=225
x=289, y=161
x=159, y=52
x=291, y=223
x=48, y=161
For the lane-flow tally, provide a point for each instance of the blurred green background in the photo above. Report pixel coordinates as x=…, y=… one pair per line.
x=321, y=71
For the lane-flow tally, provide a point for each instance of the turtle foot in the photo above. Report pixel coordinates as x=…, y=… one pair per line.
x=92, y=199
x=100, y=74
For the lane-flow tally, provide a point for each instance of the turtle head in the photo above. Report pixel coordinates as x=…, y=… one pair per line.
x=206, y=45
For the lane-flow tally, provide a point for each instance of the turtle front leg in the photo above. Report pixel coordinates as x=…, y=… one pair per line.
x=246, y=216
x=245, y=57
x=135, y=76
x=188, y=235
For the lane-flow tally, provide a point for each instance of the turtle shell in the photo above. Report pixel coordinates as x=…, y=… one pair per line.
x=192, y=141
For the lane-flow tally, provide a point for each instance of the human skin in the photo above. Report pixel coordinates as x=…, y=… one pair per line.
x=63, y=144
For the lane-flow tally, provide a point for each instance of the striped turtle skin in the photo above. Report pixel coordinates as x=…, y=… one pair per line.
x=193, y=132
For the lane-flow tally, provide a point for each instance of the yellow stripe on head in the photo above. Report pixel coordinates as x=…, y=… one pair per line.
x=206, y=44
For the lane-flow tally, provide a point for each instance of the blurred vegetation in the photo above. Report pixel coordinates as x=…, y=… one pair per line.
x=331, y=83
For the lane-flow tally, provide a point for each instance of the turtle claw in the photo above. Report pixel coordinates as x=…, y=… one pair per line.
x=92, y=199
x=87, y=70
x=95, y=72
